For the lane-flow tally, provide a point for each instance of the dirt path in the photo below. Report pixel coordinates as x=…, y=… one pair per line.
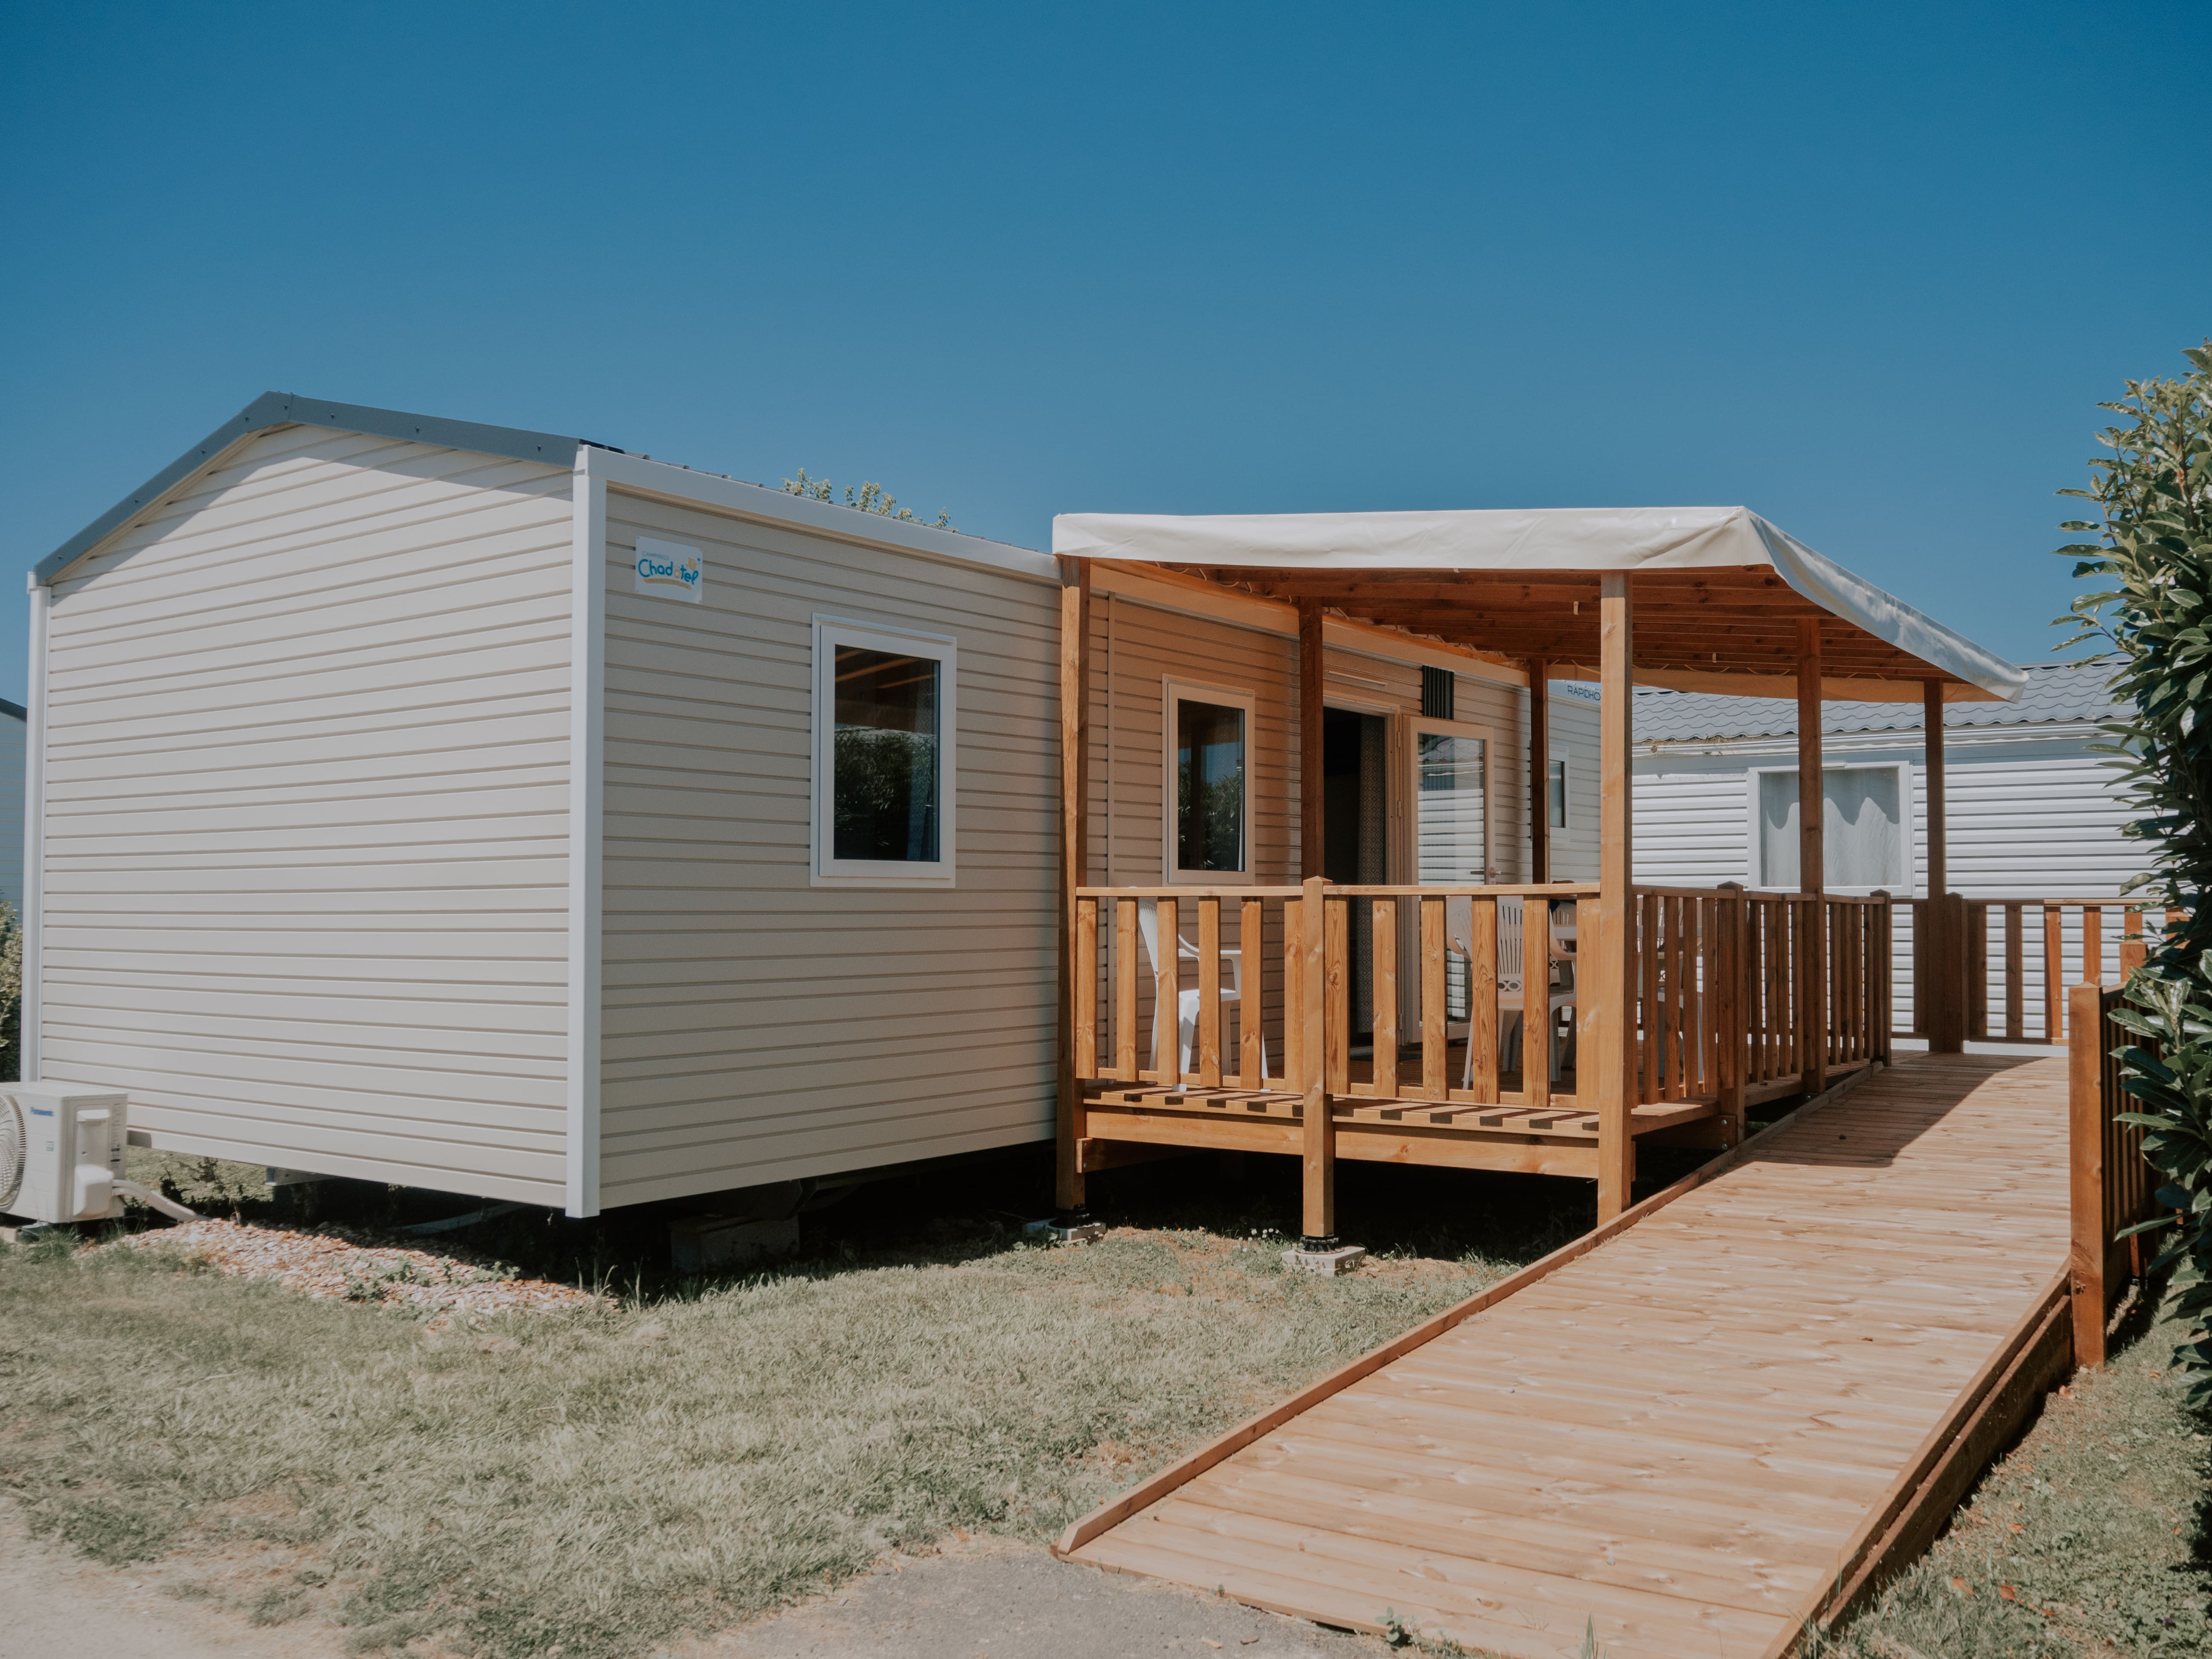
x=985, y=1600
x=54, y=1601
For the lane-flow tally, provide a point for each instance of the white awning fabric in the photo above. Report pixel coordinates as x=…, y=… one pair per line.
x=1644, y=539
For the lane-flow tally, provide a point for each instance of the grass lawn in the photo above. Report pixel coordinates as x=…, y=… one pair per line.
x=2091, y=1538
x=705, y=1448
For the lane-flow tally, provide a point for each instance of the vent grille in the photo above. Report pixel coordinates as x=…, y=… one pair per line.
x=1436, y=687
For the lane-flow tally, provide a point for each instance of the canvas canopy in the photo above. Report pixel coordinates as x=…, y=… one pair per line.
x=1718, y=595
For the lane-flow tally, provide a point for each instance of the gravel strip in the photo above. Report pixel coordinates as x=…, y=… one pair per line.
x=332, y=1263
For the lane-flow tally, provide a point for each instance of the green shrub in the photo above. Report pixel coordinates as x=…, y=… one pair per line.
x=2154, y=552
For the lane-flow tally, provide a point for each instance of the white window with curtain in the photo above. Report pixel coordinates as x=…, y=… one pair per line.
x=1866, y=827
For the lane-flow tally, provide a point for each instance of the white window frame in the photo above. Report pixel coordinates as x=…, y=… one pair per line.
x=1173, y=694
x=827, y=869
x=1911, y=880
x=1564, y=759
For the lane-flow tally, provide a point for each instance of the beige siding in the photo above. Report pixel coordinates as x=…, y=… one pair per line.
x=757, y=1028
x=305, y=884
x=1135, y=647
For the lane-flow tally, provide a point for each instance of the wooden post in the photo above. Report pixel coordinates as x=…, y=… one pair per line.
x=2092, y=1230
x=1318, y=1137
x=1727, y=1000
x=1075, y=864
x=1312, y=796
x=1812, y=859
x=1539, y=769
x=1607, y=1015
x=1945, y=956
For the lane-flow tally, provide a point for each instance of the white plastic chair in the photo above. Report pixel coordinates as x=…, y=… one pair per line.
x=1187, y=997
x=1512, y=986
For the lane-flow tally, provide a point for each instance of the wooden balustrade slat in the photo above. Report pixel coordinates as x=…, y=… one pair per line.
x=1083, y=1016
x=1167, y=997
x=1978, y=972
x=1252, y=1002
x=1294, y=994
x=1435, y=1056
x=2093, y=944
x=1382, y=926
x=1482, y=1003
x=2015, y=976
x=1336, y=1031
x=1648, y=936
x=1209, y=991
x=2054, y=973
x=1124, y=990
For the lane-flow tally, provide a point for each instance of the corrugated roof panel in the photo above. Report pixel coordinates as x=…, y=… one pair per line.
x=2055, y=694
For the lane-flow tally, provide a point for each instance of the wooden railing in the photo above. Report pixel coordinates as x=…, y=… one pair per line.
x=1725, y=997
x=1729, y=999
x=2112, y=1184
x=1233, y=964
x=2011, y=959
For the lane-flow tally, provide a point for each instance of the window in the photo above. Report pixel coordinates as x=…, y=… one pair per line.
x=1864, y=844
x=1556, y=795
x=1206, y=783
x=882, y=756
x=1452, y=804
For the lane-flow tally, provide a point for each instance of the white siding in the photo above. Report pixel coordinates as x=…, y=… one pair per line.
x=305, y=884
x=2029, y=816
x=757, y=1028
x=11, y=810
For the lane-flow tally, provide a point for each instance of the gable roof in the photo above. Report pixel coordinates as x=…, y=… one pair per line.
x=275, y=408
x=2055, y=694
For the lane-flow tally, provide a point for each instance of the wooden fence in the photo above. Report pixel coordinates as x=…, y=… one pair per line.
x=1730, y=991
x=2112, y=1184
x=1236, y=971
x=2010, y=961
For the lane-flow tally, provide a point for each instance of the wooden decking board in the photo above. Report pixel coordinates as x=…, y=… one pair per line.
x=1774, y=1527
x=1671, y=1562
x=1672, y=1436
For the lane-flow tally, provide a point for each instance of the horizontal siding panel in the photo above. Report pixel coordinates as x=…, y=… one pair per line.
x=716, y=949
x=307, y=872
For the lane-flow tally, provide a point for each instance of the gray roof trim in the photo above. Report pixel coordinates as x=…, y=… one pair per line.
x=275, y=408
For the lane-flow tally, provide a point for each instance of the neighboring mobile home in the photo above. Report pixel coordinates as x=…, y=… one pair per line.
x=497, y=812
x=2035, y=814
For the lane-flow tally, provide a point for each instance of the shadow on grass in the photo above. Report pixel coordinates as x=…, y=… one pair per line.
x=975, y=1208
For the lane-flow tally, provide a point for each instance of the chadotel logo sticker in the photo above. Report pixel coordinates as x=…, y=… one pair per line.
x=669, y=569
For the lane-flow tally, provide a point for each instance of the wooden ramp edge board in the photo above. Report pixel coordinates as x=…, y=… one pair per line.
x=2034, y=1358
x=1148, y=1493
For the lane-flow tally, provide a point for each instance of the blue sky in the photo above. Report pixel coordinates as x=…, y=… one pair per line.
x=1866, y=269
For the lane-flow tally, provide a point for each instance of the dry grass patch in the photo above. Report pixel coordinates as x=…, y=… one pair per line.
x=602, y=1480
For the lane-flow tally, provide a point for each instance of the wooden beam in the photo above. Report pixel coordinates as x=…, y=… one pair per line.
x=1075, y=864
x=1540, y=770
x=1608, y=1013
x=1812, y=857
x=1931, y=723
x=1946, y=953
x=1316, y=1141
x=1312, y=679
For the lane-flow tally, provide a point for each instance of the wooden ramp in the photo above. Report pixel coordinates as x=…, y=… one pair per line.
x=1685, y=1435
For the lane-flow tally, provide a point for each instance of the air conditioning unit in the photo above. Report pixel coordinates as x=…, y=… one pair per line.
x=61, y=1154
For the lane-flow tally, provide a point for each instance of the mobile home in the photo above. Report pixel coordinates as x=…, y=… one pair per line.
x=498, y=812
